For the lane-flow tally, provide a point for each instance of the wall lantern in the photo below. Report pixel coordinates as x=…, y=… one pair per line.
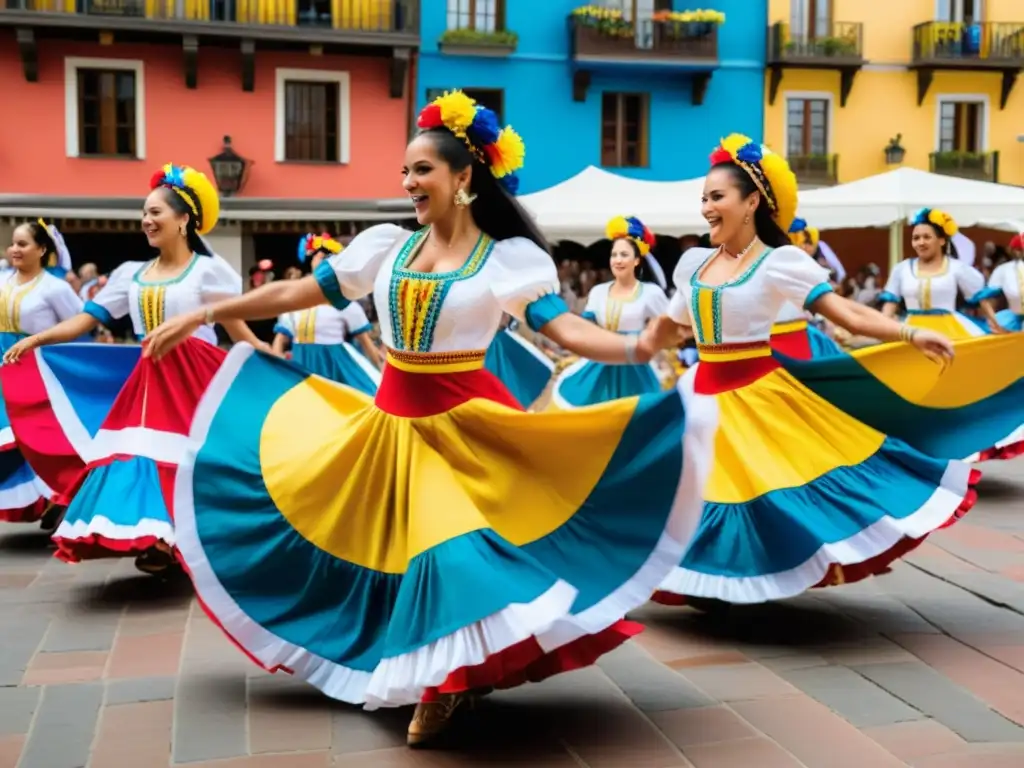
x=895, y=151
x=230, y=169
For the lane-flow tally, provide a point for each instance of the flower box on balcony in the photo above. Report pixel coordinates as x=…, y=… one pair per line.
x=470, y=42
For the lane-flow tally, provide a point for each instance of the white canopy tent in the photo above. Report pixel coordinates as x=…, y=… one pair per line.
x=580, y=207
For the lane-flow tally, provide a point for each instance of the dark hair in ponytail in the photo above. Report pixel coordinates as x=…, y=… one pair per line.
x=180, y=207
x=494, y=210
x=768, y=230
x=42, y=238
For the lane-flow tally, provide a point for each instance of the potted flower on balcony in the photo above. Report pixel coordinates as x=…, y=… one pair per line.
x=699, y=23
x=472, y=42
x=894, y=150
x=606, y=21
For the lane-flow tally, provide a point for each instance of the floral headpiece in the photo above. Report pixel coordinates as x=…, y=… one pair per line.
x=195, y=189
x=500, y=149
x=936, y=218
x=310, y=244
x=800, y=233
x=770, y=173
x=60, y=260
x=1017, y=242
x=633, y=229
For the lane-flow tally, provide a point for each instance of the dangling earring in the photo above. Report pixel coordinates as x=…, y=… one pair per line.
x=746, y=219
x=183, y=230
x=463, y=199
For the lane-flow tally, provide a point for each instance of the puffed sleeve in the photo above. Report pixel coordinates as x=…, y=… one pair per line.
x=63, y=300
x=356, y=320
x=285, y=325
x=969, y=280
x=796, y=276
x=655, y=301
x=219, y=280
x=687, y=267
x=112, y=301
x=349, y=275
x=526, y=282
x=893, y=293
x=998, y=282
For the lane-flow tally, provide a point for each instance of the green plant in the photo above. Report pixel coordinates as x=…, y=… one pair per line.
x=501, y=38
x=607, y=21
x=895, y=142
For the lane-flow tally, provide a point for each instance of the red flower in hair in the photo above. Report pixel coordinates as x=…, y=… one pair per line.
x=430, y=117
x=720, y=156
x=157, y=179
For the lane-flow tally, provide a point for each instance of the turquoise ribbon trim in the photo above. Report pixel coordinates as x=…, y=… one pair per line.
x=328, y=282
x=545, y=309
x=360, y=330
x=284, y=331
x=100, y=314
x=816, y=293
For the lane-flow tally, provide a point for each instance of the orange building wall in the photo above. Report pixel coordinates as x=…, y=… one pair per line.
x=187, y=126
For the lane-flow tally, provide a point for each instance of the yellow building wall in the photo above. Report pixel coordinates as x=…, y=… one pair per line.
x=883, y=101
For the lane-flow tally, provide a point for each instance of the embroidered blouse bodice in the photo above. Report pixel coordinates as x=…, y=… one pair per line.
x=1008, y=278
x=932, y=292
x=625, y=314
x=744, y=309
x=36, y=305
x=323, y=324
x=440, y=312
x=206, y=280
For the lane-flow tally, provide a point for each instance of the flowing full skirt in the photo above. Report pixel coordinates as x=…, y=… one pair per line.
x=520, y=366
x=802, y=494
x=437, y=537
x=120, y=504
x=338, y=362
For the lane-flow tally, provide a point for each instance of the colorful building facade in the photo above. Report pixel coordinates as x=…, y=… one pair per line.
x=644, y=88
x=314, y=97
x=855, y=88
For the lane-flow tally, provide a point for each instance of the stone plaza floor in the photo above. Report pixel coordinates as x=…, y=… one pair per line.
x=104, y=668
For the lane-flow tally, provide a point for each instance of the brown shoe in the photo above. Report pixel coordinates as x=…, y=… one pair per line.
x=432, y=718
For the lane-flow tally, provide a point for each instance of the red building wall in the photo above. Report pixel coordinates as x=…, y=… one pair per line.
x=187, y=126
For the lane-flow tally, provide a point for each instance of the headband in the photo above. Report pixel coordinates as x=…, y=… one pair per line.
x=61, y=258
x=770, y=173
x=310, y=244
x=936, y=218
x=194, y=189
x=631, y=228
x=800, y=233
x=500, y=149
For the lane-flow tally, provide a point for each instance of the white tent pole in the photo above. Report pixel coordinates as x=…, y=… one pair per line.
x=895, y=244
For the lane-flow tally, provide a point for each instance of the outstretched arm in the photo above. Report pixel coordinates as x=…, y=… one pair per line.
x=594, y=343
x=69, y=330
x=864, y=321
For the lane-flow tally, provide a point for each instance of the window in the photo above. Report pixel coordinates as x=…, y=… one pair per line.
x=961, y=126
x=492, y=98
x=481, y=15
x=312, y=116
x=807, y=126
x=810, y=19
x=104, y=109
x=967, y=11
x=624, y=130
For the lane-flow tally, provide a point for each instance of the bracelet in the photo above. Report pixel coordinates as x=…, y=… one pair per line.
x=631, y=350
x=208, y=317
x=907, y=332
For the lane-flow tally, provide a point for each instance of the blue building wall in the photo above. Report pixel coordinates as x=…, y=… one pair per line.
x=563, y=136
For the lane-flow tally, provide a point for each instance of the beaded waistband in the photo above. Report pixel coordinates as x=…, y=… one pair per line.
x=437, y=362
x=789, y=326
x=724, y=353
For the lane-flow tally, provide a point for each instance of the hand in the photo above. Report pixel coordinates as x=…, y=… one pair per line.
x=661, y=333
x=170, y=334
x=935, y=346
x=995, y=327
x=25, y=345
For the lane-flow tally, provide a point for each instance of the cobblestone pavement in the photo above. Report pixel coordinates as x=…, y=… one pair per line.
x=922, y=667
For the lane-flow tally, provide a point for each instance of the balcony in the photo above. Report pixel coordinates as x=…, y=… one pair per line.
x=842, y=49
x=815, y=170
x=375, y=27
x=659, y=47
x=980, y=166
x=981, y=46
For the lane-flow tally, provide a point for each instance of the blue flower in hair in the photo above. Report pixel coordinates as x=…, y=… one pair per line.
x=484, y=129
x=798, y=225
x=175, y=176
x=303, y=241
x=510, y=183
x=750, y=153
x=636, y=227
x=920, y=217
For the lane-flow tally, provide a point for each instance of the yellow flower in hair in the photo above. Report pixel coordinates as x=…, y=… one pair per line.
x=457, y=111
x=617, y=227
x=507, y=154
x=784, y=186
x=944, y=221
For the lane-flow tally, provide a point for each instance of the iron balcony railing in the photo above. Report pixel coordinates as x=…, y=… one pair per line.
x=815, y=169
x=646, y=39
x=992, y=43
x=981, y=166
x=838, y=40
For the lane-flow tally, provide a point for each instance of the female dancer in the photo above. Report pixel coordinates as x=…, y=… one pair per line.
x=930, y=283
x=792, y=334
x=624, y=306
x=452, y=536
x=319, y=335
x=801, y=494
x=31, y=300
x=119, y=506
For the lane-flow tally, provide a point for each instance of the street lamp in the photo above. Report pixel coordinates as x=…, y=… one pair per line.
x=894, y=151
x=230, y=169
